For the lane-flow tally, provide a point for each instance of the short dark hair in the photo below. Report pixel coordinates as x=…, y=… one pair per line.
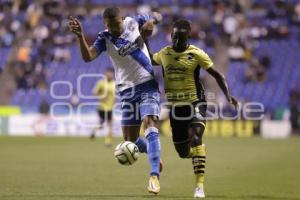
x=111, y=12
x=109, y=69
x=182, y=23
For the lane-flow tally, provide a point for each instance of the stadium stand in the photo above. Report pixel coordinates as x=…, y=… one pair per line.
x=262, y=42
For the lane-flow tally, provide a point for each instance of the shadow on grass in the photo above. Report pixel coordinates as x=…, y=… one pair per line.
x=256, y=197
x=132, y=196
x=94, y=196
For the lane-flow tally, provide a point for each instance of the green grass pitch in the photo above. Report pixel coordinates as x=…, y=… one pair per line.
x=43, y=168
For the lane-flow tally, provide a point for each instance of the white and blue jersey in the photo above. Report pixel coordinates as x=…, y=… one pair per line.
x=128, y=53
x=133, y=70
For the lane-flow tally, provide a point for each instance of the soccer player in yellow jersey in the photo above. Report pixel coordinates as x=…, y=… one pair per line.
x=105, y=89
x=181, y=65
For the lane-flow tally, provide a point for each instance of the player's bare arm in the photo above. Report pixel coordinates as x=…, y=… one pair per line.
x=88, y=53
x=150, y=53
x=147, y=28
x=223, y=85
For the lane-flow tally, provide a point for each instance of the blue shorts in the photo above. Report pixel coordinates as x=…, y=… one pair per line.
x=140, y=101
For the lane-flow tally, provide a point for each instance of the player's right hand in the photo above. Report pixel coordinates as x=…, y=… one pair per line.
x=158, y=17
x=233, y=101
x=75, y=26
x=146, y=30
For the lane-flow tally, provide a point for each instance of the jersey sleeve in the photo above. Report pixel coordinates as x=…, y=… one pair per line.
x=100, y=44
x=141, y=19
x=157, y=57
x=204, y=60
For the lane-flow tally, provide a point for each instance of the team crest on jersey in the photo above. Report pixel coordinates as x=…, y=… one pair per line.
x=190, y=56
x=130, y=47
x=131, y=25
x=127, y=48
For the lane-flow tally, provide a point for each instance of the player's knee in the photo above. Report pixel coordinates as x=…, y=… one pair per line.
x=196, y=140
x=150, y=121
x=182, y=150
x=183, y=154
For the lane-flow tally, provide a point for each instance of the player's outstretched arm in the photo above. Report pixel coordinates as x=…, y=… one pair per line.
x=88, y=53
x=150, y=53
x=157, y=17
x=146, y=23
x=223, y=85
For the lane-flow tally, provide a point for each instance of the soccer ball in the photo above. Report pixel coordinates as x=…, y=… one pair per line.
x=126, y=153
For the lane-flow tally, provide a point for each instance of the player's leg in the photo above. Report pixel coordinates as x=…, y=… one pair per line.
x=108, y=137
x=180, y=119
x=149, y=110
x=131, y=132
x=100, y=125
x=131, y=121
x=131, y=124
x=187, y=131
x=181, y=140
x=198, y=158
x=150, y=124
x=196, y=131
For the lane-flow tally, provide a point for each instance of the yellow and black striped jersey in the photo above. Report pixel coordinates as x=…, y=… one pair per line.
x=181, y=73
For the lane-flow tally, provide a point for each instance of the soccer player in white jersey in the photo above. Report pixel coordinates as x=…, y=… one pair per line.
x=135, y=83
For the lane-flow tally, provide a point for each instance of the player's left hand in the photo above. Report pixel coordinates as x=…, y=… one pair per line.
x=233, y=101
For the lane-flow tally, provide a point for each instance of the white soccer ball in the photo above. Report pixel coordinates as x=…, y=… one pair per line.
x=126, y=153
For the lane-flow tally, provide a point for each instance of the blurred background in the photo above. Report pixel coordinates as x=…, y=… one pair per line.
x=255, y=43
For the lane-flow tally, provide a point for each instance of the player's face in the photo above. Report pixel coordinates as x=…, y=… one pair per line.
x=180, y=36
x=114, y=25
x=109, y=75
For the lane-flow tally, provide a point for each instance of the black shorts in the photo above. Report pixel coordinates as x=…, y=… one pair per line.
x=184, y=117
x=104, y=116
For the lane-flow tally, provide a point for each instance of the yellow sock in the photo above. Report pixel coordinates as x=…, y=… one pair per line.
x=198, y=159
x=108, y=140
